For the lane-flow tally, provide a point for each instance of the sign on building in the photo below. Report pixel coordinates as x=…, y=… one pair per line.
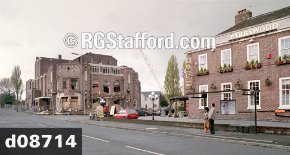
x=228, y=107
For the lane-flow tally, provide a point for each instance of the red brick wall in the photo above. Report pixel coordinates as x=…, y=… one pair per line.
x=269, y=95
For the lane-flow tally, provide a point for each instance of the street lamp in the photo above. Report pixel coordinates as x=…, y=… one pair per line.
x=153, y=97
x=102, y=102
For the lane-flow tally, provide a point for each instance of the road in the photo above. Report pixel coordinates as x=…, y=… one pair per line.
x=109, y=140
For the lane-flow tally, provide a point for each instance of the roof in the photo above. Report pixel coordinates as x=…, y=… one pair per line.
x=90, y=54
x=263, y=18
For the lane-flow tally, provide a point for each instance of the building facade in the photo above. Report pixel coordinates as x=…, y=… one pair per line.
x=147, y=104
x=254, y=54
x=79, y=84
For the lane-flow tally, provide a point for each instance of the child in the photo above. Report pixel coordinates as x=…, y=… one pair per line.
x=206, y=122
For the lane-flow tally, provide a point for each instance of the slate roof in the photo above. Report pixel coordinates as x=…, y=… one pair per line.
x=263, y=18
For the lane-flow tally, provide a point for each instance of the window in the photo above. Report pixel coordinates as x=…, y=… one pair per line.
x=284, y=46
x=64, y=84
x=226, y=95
x=254, y=85
x=106, y=87
x=226, y=57
x=95, y=84
x=202, y=61
x=284, y=93
x=202, y=102
x=253, y=52
x=116, y=71
x=96, y=69
x=106, y=70
x=74, y=84
x=116, y=87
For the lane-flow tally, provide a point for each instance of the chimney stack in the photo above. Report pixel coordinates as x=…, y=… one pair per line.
x=59, y=57
x=242, y=16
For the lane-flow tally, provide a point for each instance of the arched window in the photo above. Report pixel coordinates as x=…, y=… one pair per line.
x=117, y=87
x=95, y=83
x=106, y=87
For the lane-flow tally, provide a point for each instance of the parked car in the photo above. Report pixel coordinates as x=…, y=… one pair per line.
x=142, y=112
x=127, y=113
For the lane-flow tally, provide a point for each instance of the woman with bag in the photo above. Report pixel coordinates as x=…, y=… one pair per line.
x=206, y=121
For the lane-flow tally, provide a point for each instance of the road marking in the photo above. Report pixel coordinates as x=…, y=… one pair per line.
x=134, y=148
x=151, y=128
x=96, y=138
x=42, y=125
x=163, y=132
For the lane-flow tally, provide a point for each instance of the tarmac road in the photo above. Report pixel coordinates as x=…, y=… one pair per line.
x=109, y=138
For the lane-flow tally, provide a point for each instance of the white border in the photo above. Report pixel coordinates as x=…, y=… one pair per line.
x=279, y=44
x=249, y=97
x=258, y=50
x=222, y=94
x=199, y=101
x=199, y=61
x=280, y=94
x=222, y=51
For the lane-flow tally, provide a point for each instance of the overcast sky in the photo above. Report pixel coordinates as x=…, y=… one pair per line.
x=36, y=28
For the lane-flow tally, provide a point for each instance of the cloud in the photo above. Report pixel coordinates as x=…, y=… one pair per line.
x=31, y=28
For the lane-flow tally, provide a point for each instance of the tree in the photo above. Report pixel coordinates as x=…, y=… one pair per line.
x=7, y=98
x=6, y=86
x=162, y=101
x=17, y=82
x=171, y=83
x=183, y=69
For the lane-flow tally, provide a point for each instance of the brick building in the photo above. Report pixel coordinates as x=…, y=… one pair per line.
x=253, y=54
x=77, y=85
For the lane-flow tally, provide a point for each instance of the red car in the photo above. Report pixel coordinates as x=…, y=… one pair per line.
x=127, y=113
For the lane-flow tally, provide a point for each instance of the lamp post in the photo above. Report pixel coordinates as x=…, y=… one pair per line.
x=153, y=97
x=102, y=103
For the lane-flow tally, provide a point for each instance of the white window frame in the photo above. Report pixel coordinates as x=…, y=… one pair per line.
x=257, y=48
x=280, y=94
x=222, y=54
x=279, y=44
x=199, y=89
x=249, y=97
x=205, y=61
x=106, y=69
x=222, y=89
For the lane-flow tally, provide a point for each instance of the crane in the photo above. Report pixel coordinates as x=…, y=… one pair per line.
x=151, y=70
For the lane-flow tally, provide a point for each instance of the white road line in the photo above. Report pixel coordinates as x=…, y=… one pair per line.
x=151, y=128
x=96, y=138
x=164, y=132
x=134, y=148
x=42, y=125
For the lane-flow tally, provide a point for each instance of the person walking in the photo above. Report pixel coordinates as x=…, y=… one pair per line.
x=211, y=118
x=206, y=122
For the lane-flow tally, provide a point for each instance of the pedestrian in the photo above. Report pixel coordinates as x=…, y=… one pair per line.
x=206, y=122
x=211, y=118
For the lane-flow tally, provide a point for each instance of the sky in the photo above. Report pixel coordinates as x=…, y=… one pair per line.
x=32, y=28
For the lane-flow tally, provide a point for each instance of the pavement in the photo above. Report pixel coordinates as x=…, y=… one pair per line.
x=108, y=137
x=244, y=126
x=265, y=140
x=219, y=121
